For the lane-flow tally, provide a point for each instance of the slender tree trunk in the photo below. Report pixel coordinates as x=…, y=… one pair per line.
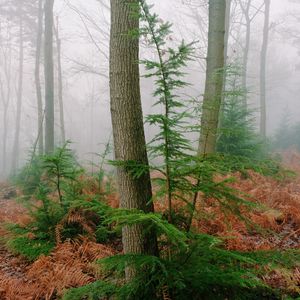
x=226, y=38
x=60, y=85
x=127, y=122
x=246, y=53
x=227, y=29
x=5, y=86
x=214, y=77
x=37, y=78
x=49, y=77
x=6, y=101
x=263, y=62
x=4, y=124
x=16, y=145
x=4, y=144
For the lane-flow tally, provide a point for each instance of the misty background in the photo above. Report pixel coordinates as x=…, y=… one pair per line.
x=83, y=27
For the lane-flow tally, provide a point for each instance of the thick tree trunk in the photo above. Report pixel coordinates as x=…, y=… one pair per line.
x=16, y=145
x=60, y=86
x=37, y=78
x=263, y=58
x=49, y=77
x=214, y=77
x=127, y=122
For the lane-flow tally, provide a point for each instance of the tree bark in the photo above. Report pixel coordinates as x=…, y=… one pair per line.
x=16, y=145
x=5, y=99
x=246, y=12
x=263, y=58
x=226, y=41
x=227, y=29
x=60, y=86
x=49, y=77
x=127, y=122
x=37, y=78
x=214, y=77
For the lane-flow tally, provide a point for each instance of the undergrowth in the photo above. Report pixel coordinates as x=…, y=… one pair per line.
x=50, y=185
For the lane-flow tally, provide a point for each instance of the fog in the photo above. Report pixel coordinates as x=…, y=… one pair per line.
x=83, y=27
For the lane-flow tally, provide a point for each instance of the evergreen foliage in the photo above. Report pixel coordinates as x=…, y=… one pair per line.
x=51, y=185
x=170, y=142
x=190, y=265
x=199, y=270
x=30, y=248
x=237, y=132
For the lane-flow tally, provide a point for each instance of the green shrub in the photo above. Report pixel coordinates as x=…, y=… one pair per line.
x=94, y=291
x=31, y=249
x=237, y=130
x=202, y=271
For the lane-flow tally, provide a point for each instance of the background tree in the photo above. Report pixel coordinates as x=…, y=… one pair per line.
x=15, y=157
x=214, y=77
x=127, y=121
x=49, y=77
x=37, y=78
x=246, y=12
x=17, y=34
x=60, y=84
x=263, y=63
x=5, y=86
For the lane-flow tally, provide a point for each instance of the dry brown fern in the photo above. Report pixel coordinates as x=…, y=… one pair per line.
x=68, y=266
x=166, y=293
x=75, y=216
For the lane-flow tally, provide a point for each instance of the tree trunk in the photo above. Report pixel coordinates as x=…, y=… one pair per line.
x=214, y=77
x=226, y=41
x=246, y=53
x=4, y=124
x=4, y=143
x=37, y=78
x=15, y=157
x=49, y=77
x=60, y=86
x=5, y=92
x=6, y=97
x=127, y=122
x=227, y=29
x=263, y=58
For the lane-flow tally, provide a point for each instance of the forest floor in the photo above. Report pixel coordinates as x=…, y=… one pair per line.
x=71, y=263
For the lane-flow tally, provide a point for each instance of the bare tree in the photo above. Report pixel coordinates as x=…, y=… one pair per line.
x=49, y=77
x=249, y=12
x=37, y=77
x=227, y=29
x=246, y=11
x=5, y=86
x=263, y=62
x=60, y=84
x=15, y=156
